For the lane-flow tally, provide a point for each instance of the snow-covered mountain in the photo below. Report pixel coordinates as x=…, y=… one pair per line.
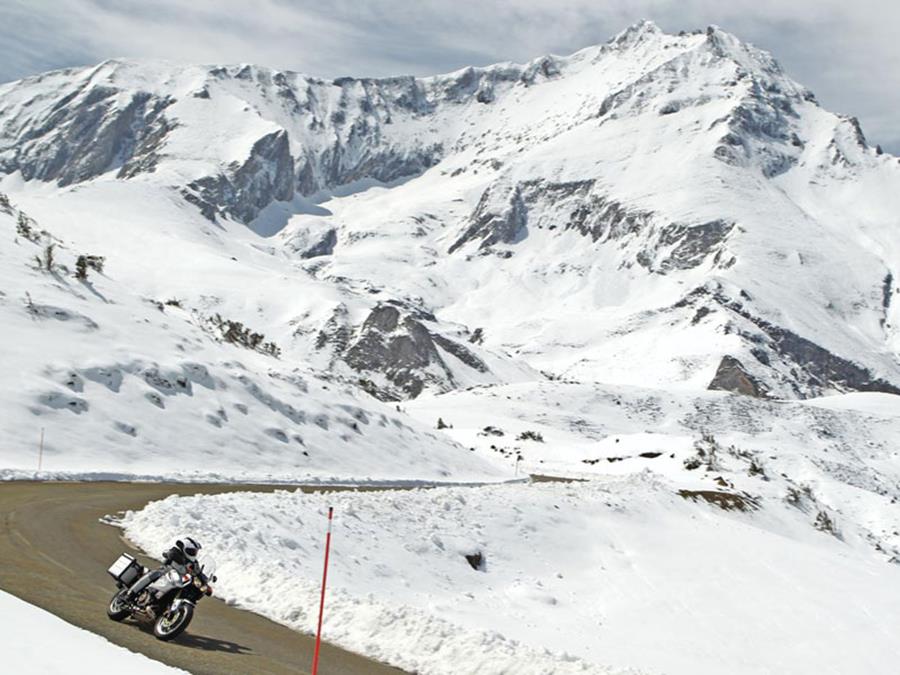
x=716, y=225
x=657, y=259
x=667, y=211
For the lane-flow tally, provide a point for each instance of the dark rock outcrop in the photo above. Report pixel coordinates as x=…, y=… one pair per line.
x=793, y=363
x=692, y=244
x=731, y=376
x=493, y=226
x=90, y=132
x=505, y=213
x=396, y=353
x=266, y=176
x=324, y=245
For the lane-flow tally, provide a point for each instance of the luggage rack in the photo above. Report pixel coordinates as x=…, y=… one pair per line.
x=126, y=570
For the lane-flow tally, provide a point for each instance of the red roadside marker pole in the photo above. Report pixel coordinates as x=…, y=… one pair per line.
x=315, y=666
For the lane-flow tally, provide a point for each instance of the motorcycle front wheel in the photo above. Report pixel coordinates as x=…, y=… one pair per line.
x=172, y=623
x=117, y=609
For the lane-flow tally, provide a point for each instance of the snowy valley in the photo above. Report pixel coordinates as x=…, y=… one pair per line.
x=656, y=267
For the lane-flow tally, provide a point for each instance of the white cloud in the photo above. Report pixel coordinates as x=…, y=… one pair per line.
x=846, y=52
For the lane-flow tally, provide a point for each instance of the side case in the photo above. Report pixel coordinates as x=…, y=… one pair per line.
x=126, y=570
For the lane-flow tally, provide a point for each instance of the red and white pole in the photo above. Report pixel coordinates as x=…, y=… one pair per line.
x=315, y=666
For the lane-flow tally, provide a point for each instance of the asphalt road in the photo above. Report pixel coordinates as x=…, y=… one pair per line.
x=54, y=552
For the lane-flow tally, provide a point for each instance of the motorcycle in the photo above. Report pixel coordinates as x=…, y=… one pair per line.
x=169, y=600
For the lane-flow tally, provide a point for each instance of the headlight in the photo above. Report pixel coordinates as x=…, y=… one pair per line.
x=198, y=583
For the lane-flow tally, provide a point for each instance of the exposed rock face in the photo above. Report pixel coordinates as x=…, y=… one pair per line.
x=313, y=241
x=823, y=368
x=687, y=246
x=731, y=376
x=87, y=133
x=340, y=164
x=245, y=189
x=600, y=218
x=396, y=353
x=506, y=212
x=793, y=364
x=503, y=213
x=323, y=246
x=86, y=123
x=493, y=225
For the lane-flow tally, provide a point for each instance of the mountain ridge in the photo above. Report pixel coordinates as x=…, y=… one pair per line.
x=674, y=159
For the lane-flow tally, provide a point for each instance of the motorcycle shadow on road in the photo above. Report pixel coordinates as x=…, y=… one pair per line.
x=204, y=642
x=212, y=644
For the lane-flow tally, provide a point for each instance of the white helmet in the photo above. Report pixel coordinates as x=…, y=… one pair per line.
x=190, y=547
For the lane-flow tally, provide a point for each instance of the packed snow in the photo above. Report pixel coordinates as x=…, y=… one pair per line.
x=34, y=642
x=583, y=577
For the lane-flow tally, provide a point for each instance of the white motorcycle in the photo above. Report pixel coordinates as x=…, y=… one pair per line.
x=169, y=600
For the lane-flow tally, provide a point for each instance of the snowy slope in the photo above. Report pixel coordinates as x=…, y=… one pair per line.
x=837, y=455
x=608, y=574
x=34, y=642
x=124, y=384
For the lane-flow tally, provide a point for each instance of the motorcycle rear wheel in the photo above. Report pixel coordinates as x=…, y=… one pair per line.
x=170, y=624
x=117, y=610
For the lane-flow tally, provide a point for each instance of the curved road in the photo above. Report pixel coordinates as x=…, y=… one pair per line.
x=55, y=551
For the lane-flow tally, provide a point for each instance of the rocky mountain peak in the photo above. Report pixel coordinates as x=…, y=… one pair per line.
x=635, y=33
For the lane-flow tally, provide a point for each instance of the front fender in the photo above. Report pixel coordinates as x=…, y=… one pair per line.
x=178, y=602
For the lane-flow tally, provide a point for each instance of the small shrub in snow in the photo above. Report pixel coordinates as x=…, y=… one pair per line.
x=825, y=523
x=727, y=501
x=443, y=425
x=85, y=262
x=46, y=261
x=237, y=333
x=757, y=469
x=799, y=496
x=693, y=462
x=25, y=230
x=491, y=431
x=531, y=436
x=707, y=454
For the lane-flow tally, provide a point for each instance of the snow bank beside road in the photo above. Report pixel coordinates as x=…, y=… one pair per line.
x=36, y=642
x=400, y=589
x=623, y=573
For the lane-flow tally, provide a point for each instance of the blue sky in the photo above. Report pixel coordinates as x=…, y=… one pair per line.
x=846, y=52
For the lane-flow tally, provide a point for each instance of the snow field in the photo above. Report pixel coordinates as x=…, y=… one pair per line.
x=35, y=642
x=124, y=385
x=582, y=577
